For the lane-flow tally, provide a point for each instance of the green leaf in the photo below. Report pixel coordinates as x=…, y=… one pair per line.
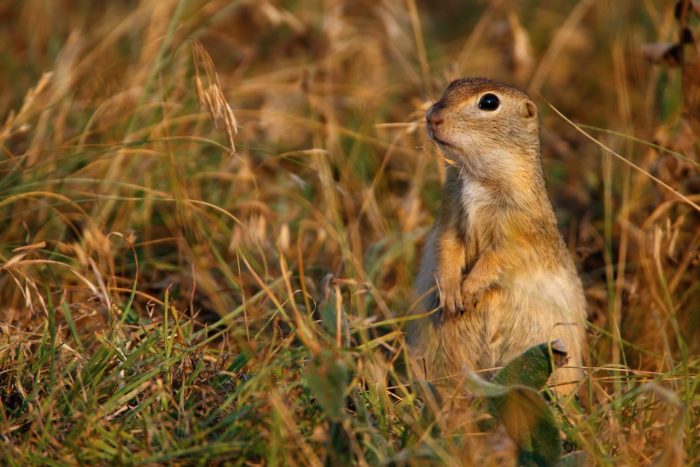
x=533, y=367
x=327, y=377
x=239, y=362
x=530, y=423
x=329, y=319
x=515, y=400
x=573, y=459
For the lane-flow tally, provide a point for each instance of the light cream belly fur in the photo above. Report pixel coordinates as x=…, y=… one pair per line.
x=526, y=309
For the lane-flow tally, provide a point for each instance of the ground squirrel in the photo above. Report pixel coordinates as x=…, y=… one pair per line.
x=494, y=265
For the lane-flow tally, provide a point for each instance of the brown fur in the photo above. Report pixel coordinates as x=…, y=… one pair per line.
x=495, y=263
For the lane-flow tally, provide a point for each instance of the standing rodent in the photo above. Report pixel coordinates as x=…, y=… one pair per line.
x=494, y=264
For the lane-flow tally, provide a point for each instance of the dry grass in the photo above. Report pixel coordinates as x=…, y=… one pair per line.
x=163, y=298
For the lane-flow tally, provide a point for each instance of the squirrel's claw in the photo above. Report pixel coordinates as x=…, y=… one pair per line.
x=451, y=301
x=471, y=295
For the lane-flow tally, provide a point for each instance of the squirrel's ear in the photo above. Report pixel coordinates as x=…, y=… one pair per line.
x=528, y=109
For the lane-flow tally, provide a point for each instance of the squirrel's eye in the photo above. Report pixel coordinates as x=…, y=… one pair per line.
x=489, y=102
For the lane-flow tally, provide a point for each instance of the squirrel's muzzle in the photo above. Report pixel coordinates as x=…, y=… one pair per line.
x=434, y=118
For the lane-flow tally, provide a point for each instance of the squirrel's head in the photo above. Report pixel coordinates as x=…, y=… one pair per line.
x=485, y=124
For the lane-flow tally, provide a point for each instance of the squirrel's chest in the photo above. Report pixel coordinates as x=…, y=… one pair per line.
x=475, y=198
x=481, y=216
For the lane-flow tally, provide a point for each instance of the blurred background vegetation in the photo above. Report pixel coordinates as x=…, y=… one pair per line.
x=166, y=298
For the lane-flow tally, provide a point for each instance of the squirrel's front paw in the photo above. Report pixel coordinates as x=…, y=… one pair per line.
x=472, y=293
x=451, y=297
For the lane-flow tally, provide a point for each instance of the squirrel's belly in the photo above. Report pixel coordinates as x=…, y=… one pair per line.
x=529, y=310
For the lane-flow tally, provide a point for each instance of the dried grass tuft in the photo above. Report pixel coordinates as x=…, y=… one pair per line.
x=210, y=94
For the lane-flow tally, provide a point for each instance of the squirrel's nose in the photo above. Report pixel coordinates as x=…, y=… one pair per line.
x=434, y=116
